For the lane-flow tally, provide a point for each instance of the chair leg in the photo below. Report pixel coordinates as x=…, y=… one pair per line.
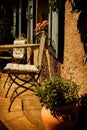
x=9, y=88
x=22, y=105
x=11, y=102
x=6, y=81
x=16, y=93
x=0, y=75
x=13, y=93
x=13, y=98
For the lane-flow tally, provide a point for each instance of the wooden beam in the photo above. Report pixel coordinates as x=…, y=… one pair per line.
x=18, y=46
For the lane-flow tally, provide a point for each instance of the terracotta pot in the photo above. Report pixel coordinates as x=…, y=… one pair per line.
x=62, y=121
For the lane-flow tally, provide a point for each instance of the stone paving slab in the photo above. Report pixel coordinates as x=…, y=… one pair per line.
x=28, y=119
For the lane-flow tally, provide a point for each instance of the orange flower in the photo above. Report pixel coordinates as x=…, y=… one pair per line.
x=41, y=26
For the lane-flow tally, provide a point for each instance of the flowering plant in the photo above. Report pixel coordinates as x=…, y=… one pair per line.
x=39, y=28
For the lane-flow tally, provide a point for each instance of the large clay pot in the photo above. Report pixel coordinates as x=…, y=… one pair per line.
x=64, y=121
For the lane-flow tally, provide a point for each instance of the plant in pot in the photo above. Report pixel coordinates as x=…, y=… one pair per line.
x=58, y=97
x=40, y=27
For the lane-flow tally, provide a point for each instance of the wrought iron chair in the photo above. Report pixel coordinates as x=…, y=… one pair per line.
x=19, y=70
x=18, y=56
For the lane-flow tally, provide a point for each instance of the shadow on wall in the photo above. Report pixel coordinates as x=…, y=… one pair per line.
x=61, y=32
x=82, y=27
x=81, y=8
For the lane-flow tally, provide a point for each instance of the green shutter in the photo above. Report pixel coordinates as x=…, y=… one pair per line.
x=53, y=32
x=30, y=24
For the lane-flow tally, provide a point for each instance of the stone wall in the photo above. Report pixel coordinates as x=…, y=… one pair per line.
x=72, y=66
x=73, y=51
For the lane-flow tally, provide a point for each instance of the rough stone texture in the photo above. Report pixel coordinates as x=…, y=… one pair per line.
x=73, y=51
x=50, y=66
x=72, y=66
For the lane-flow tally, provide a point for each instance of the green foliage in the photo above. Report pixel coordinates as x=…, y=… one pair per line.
x=57, y=92
x=56, y=4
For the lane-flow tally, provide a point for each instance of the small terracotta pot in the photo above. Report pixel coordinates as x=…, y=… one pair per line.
x=62, y=121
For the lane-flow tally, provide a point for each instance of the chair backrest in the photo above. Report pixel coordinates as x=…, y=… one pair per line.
x=41, y=49
x=18, y=53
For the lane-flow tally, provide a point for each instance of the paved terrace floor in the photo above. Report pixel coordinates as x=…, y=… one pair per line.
x=28, y=119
